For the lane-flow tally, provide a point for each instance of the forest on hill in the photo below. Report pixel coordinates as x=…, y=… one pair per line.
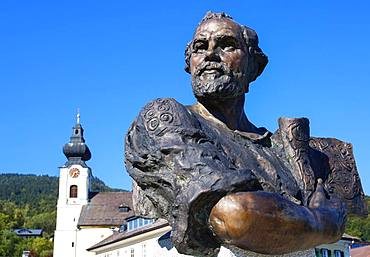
x=29, y=201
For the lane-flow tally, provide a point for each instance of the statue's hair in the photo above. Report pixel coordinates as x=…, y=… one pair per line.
x=257, y=59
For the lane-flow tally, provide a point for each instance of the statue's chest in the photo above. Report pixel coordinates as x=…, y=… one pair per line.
x=272, y=170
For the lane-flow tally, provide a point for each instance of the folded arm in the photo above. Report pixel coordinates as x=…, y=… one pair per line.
x=269, y=223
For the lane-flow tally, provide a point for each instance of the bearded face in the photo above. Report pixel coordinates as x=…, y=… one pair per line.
x=218, y=60
x=213, y=80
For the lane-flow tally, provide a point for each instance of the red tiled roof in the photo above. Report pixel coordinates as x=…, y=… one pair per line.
x=103, y=209
x=361, y=251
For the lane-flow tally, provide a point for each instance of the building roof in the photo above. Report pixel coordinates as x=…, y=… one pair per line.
x=361, y=251
x=104, y=209
x=350, y=238
x=28, y=232
x=76, y=151
x=119, y=236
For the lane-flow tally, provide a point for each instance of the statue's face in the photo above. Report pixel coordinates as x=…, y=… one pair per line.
x=218, y=60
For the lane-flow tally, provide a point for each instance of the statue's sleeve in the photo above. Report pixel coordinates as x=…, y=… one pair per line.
x=337, y=167
x=180, y=173
x=330, y=159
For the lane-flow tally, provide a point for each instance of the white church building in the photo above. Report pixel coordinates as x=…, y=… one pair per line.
x=103, y=224
x=96, y=223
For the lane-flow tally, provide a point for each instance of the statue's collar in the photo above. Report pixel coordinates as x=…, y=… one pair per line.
x=263, y=137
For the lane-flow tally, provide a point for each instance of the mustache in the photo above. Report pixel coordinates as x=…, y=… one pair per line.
x=223, y=68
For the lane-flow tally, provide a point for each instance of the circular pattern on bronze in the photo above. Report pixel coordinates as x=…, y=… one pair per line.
x=166, y=117
x=149, y=114
x=163, y=107
x=153, y=124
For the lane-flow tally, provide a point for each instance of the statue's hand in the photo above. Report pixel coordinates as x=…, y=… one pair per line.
x=320, y=203
x=319, y=199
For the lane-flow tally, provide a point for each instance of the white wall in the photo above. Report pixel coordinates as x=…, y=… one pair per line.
x=88, y=237
x=144, y=245
x=66, y=237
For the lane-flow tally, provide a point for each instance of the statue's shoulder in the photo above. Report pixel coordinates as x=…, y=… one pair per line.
x=164, y=114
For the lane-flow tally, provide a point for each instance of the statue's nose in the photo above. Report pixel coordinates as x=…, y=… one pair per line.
x=212, y=55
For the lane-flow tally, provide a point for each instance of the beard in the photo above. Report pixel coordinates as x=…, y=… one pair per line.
x=223, y=84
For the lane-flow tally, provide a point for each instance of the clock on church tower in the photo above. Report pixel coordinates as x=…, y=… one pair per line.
x=74, y=172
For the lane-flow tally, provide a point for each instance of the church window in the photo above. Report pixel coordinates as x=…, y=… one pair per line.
x=73, y=191
x=132, y=252
x=73, y=244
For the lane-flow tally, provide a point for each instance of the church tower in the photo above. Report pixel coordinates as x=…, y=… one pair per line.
x=74, y=188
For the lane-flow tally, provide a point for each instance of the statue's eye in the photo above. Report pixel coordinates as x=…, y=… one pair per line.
x=228, y=44
x=200, y=46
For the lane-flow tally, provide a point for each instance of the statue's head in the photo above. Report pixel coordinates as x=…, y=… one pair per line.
x=223, y=58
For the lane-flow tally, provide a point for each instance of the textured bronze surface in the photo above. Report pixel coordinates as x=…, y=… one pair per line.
x=219, y=179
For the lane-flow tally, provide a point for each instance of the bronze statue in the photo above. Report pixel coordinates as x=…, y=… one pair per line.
x=219, y=179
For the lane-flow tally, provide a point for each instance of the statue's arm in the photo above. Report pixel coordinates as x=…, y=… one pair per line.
x=181, y=172
x=269, y=223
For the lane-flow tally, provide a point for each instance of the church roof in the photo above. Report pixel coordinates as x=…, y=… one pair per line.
x=119, y=236
x=106, y=209
x=76, y=151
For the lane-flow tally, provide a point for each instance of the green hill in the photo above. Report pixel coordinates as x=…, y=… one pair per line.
x=29, y=201
x=360, y=227
x=32, y=189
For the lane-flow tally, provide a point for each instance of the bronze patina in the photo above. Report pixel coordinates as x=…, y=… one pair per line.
x=219, y=179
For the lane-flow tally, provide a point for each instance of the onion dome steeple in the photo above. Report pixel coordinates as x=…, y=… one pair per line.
x=76, y=150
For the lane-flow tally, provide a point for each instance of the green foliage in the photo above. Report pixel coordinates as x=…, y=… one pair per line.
x=40, y=192
x=29, y=201
x=44, y=221
x=29, y=189
x=98, y=185
x=8, y=243
x=360, y=227
x=42, y=246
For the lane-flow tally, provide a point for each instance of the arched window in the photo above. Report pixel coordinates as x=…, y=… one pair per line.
x=73, y=191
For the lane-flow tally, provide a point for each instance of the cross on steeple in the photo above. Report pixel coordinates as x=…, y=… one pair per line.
x=78, y=116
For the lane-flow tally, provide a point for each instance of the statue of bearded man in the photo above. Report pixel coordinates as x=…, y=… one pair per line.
x=220, y=180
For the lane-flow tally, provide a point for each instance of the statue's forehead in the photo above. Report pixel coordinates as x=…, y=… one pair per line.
x=217, y=27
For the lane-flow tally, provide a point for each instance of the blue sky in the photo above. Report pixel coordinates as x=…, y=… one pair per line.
x=109, y=58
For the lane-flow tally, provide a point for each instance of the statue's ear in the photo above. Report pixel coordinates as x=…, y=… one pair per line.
x=260, y=62
x=187, y=57
x=187, y=68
